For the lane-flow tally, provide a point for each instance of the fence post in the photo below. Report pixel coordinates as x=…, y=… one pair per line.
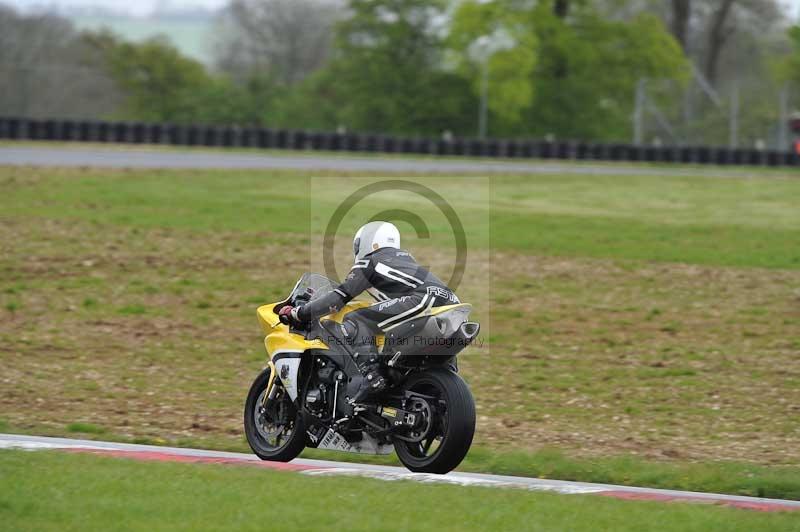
x=638, y=112
x=733, y=141
x=783, y=104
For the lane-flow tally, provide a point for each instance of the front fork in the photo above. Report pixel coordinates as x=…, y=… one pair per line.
x=269, y=392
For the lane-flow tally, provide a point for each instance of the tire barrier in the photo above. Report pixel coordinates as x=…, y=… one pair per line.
x=283, y=139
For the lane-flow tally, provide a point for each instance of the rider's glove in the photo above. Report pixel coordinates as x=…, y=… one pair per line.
x=288, y=315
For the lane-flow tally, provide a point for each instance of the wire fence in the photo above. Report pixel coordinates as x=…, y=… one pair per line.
x=742, y=115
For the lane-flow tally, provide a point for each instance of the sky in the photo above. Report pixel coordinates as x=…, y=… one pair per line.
x=139, y=7
x=144, y=7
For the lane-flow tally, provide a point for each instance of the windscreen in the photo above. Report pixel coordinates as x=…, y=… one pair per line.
x=311, y=286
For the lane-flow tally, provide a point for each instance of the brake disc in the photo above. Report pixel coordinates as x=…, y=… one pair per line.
x=424, y=423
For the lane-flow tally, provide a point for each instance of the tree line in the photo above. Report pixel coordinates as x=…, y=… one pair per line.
x=545, y=68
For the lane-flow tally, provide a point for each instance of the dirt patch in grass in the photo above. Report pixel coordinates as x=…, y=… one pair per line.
x=661, y=360
x=594, y=357
x=177, y=365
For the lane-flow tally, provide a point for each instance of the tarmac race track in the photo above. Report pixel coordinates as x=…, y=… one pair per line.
x=314, y=161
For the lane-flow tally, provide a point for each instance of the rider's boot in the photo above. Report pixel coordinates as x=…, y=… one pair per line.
x=374, y=382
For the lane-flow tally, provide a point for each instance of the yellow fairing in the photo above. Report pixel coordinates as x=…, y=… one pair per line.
x=279, y=338
x=267, y=318
x=283, y=340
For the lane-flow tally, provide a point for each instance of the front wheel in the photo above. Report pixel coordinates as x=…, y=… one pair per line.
x=447, y=411
x=274, y=429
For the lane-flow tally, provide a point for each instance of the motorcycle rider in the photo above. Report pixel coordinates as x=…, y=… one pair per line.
x=404, y=290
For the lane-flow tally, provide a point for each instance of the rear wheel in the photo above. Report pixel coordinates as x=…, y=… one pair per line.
x=447, y=412
x=274, y=428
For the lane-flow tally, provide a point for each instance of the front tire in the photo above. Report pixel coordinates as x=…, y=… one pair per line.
x=452, y=428
x=280, y=419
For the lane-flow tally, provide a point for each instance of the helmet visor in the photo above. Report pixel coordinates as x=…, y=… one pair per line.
x=356, y=245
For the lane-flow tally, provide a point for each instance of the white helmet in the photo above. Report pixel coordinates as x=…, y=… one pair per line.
x=374, y=236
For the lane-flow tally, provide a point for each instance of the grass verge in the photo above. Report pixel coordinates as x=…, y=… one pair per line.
x=733, y=478
x=728, y=477
x=53, y=491
x=730, y=222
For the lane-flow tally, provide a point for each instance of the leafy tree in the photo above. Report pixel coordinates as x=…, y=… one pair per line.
x=589, y=69
x=499, y=34
x=788, y=68
x=386, y=73
x=220, y=101
x=160, y=84
x=563, y=67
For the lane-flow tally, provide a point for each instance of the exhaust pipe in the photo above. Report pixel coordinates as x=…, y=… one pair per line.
x=470, y=329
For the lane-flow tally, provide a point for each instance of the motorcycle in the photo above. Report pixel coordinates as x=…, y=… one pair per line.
x=303, y=398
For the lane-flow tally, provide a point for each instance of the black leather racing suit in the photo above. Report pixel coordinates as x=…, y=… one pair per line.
x=402, y=287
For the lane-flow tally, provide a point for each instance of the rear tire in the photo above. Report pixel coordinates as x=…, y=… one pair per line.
x=293, y=444
x=455, y=427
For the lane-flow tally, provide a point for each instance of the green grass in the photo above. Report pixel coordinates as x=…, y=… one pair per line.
x=716, y=477
x=729, y=477
x=731, y=222
x=713, y=477
x=51, y=491
x=724, y=244
x=132, y=310
x=86, y=428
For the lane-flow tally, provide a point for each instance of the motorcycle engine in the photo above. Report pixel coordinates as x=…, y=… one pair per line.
x=324, y=389
x=319, y=396
x=315, y=401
